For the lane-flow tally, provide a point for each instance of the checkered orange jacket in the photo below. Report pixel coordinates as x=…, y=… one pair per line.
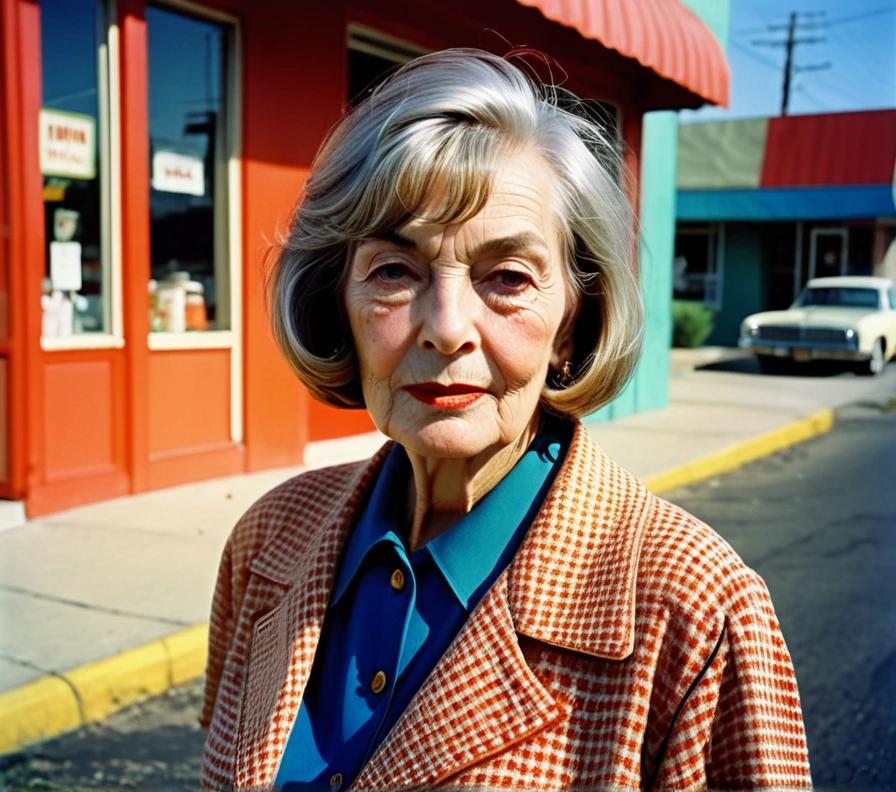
x=626, y=647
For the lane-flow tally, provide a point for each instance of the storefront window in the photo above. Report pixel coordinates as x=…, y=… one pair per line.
x=188, y=131
x=72, y=136
x=696, y=266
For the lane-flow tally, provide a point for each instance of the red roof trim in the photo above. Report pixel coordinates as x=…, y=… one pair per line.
x=832, y=148
x=662, y=35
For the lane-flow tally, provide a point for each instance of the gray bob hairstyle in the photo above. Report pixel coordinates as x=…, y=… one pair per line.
x=446, y=120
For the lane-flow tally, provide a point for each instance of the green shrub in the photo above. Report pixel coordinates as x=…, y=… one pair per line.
x=691, y=323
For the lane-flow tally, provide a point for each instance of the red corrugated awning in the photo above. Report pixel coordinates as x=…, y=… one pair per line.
x=662, y=35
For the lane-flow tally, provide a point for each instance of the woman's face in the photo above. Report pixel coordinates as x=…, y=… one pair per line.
x=455, y=325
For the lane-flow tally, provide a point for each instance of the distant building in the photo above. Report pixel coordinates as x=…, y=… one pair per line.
x=765, y=204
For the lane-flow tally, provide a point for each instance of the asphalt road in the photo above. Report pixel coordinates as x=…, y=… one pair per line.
x=153, y=746
x=817, y=521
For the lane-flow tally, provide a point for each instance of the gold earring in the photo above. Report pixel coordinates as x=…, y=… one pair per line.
x=565, y=374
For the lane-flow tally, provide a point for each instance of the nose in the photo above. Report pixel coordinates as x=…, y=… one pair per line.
x=448, y=323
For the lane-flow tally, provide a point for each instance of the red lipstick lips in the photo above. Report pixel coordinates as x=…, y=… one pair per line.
x=445, y=397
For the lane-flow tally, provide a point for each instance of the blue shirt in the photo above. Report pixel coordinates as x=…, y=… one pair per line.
x=392, y=614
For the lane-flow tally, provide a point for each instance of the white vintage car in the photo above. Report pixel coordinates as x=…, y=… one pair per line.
x=845, y=318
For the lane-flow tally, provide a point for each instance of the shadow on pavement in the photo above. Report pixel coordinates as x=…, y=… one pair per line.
x=152, y=745
x=748, y=365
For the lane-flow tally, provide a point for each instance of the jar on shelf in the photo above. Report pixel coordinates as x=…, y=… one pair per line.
x=196, y=315
x=171, y=306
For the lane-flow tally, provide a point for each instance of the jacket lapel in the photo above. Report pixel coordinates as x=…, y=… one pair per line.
x=571, y=585
x=285, y=639
x=480, y=698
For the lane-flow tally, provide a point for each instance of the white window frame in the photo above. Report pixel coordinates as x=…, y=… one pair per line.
x=232, y=338
x=109, y=149
x=815, y=233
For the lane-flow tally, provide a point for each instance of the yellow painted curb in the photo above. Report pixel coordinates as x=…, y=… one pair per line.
x=741, y=453
x=55, y=704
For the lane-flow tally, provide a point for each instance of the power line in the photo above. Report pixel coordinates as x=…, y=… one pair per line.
x=749, y=31
x=865, y=15
x=756, y=56
x=831, y=88
x=818, y=25
x=801, y=90
x=847, y=86
x=871, y=72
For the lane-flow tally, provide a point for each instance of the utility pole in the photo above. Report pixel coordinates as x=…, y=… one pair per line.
x=788, y=63
x=789, y=43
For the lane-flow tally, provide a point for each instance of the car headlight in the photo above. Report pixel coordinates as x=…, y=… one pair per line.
x=749, y=329
x=850, y=333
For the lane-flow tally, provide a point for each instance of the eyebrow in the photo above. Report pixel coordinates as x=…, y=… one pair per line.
x=499, y=246
x=502, y=246
x=396, y=239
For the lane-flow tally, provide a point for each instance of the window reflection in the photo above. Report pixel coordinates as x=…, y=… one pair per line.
x=76, y=283
x=189, y=289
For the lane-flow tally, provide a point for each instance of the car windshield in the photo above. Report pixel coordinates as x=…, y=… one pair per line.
x=843, y=296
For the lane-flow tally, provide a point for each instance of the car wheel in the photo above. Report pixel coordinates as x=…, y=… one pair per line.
x=771, y=364
x=875, y=364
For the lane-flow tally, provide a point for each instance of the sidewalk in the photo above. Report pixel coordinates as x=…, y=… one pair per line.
x=106, y=603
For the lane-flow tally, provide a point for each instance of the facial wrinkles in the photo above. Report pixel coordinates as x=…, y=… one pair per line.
x=512, y=333
x=453, y=302
x=445, y=255
x=448, y=251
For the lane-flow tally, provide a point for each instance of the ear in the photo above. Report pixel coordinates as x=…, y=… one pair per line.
x=562, y=352
x=563, y=341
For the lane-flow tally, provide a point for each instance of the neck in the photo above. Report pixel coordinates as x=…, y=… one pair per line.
x=443, y=491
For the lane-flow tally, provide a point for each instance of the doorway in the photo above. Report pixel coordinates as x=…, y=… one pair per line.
x=828, y=251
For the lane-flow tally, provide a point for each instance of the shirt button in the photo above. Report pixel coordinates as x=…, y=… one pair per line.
x=336, y=780
x=378, y=683
x=397, y=580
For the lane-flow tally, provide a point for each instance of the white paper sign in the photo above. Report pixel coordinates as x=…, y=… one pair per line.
x=67, y=144
x=65, y=265
x=177, y=173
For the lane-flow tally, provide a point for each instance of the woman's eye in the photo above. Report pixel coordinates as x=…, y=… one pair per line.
x=390, y=273
x=511, y=280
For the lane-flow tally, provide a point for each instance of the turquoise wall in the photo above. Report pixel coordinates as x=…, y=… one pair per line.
x=649, y=388
x=715, y=15
x=744, y=285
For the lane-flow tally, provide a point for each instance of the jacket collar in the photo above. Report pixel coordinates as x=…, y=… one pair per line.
x=572, y=583
x=327, y=520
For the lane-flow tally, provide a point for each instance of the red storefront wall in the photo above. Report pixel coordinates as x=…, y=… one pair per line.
x=89, y=424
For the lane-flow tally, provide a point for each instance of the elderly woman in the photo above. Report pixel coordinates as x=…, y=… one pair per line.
x=488, y=602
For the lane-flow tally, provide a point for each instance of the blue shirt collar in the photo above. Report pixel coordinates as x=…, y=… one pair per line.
x=483, y=540
x=381, y=521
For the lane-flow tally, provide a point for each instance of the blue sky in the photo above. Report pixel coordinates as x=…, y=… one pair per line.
x=860, y=45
